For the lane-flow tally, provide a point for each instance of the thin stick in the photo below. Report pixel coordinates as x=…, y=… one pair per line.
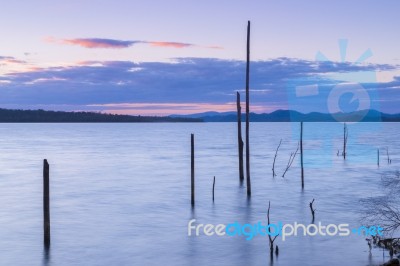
x=240, y=140
x=344, y=141
x=248, y=112
x=192, y=167
x=276, y=154
x=213, y=188
x=301, y=153
x=345, y=135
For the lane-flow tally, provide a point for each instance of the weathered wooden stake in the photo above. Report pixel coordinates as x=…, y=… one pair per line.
x=248, y=112
x=192, y=168
x=240, y=140
x=46, y=203
x=301, y=153
x=213, y=188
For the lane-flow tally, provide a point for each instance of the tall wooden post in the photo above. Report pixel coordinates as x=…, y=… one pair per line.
x=46, y=203
x=301, y=153
x=240, y=140
x=192, y=168
x=247, y=112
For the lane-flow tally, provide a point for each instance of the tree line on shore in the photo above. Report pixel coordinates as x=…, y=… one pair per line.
x=42, y=116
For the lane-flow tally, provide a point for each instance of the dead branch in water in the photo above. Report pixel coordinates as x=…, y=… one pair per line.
x=384, y=210
x=388, y=157
x=312, y=210
x=271, y=239
x=240, y=140
x=276, y=154
x=291, y=159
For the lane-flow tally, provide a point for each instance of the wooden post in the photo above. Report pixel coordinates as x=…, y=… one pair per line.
x=247, y=112
x=378, y=155
x=301, y=153
x=344, y=140
x=387, y=153
x=192, y=168
x=240, y=140
x=46, y=203
x=213, y=188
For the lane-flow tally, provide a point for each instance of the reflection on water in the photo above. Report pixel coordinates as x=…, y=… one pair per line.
x=46, y=256
x=120, y=193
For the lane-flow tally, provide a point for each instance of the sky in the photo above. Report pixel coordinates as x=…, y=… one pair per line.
x=165, y=57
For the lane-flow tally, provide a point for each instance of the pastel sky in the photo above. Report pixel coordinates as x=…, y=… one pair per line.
x=164, y=57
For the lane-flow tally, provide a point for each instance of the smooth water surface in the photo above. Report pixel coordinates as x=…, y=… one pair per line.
x=120, y=193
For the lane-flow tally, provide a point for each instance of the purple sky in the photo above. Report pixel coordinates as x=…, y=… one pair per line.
x=172, y=57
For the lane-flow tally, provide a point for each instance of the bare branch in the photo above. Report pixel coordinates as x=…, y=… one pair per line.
x=276, y=154
x=384, y=210
x=271, y=240
x=312, y=210
x=291, y=159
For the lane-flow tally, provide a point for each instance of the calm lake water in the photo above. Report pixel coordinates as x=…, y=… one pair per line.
x=120, y=193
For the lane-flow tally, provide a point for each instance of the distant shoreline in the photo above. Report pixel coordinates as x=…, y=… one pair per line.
x=42, y=116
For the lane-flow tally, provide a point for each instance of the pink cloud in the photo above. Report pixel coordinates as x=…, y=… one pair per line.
x=99, y=43
x=119, y=44
x=5, y=60
x=171, y=44
x=214, y=47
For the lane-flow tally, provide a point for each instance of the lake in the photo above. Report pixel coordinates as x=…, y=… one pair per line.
x=120, y=193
